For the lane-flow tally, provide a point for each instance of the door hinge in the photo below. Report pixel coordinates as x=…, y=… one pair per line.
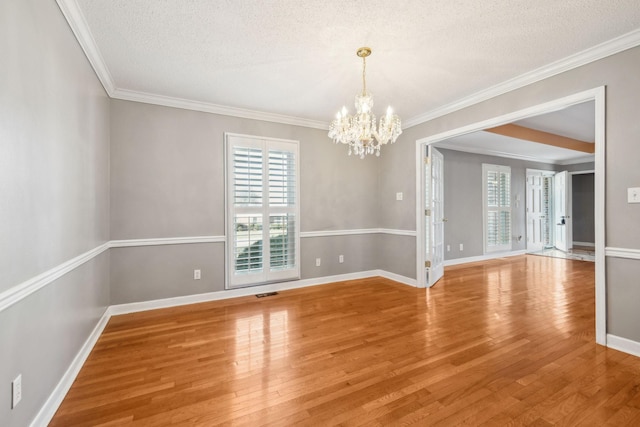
x=427, y=212
x=426, y=160
x=427, y=263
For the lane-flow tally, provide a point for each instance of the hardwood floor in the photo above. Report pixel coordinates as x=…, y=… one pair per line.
x=504, y=342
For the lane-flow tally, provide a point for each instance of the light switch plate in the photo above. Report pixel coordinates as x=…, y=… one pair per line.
x=398, y=196
x=633, y=195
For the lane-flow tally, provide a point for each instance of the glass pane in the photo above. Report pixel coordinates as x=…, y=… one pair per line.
x=282, y=241
x=282, y=178
x=247, y=176
x=247, y=243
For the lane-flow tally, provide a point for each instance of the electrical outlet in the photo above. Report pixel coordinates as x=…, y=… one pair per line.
x=16, y=391
x=399, y=196
x=633, y=195
x=197, y=274
x=341, y=259
x=448, y=248
x=318, y=262
x=461, y=247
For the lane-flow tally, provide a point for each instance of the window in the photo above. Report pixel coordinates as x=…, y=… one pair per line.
x=496, y=195
x=262, y=206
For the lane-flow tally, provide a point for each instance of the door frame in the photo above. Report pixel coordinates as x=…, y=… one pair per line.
x=598, y=96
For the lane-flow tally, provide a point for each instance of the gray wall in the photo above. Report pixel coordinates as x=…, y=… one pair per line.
x=583, y=204
x=463, y=195
x=619, y=74
x=167, y=180
x=54, y=169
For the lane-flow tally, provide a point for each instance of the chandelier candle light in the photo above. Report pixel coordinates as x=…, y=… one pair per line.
x=360, y=131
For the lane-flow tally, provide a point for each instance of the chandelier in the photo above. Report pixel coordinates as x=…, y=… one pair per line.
x=360, y=131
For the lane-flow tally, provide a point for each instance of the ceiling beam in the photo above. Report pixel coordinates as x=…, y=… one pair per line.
x=533, y=135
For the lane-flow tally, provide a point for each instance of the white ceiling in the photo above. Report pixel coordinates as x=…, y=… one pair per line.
x=577, y=122
x=297, y=58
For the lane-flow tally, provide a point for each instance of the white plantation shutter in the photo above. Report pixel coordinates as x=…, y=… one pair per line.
x=496, y=184
x=262, y=210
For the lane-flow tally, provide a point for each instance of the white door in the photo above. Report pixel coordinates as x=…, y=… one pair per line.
x=534, y=212
x=538, y=208
x=562, y=210
x=434, y=216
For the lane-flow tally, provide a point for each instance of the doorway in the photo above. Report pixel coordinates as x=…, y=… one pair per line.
x=596, y=95
x=560, y=214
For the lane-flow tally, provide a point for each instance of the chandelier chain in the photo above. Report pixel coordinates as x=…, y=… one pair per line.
x=364, y=79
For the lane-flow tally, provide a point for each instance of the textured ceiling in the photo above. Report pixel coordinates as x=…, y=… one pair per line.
x=297, y=58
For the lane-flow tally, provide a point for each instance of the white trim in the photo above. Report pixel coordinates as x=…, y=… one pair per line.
x=623, y=344
x=397, y=278
x=206, y=107
x=75, y=18
x=80, y=29
x=495, y=153
x=598, y=95
x=48, y=410
x=252, y=290
x=608, y=48
x=622, y=253
x=546, y=107
x=584, y=172
x=329, y=233
x=24, y=289
x=486, y=257
x=166, y=241
x=584, y=159
x=587, y=244
x=600, y=215
x=397, y=232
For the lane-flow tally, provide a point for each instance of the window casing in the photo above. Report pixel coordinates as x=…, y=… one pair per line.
x=496, y=197
x=262, y=206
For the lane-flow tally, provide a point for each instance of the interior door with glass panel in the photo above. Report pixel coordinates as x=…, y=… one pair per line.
x=434, y=216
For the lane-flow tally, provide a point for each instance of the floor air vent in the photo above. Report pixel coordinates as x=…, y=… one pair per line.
x=266, y=294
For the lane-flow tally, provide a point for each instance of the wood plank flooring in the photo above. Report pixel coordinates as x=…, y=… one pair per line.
x=505, y=342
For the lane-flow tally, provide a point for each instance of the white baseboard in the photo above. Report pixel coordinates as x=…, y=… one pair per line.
x=398, y=278
x=242, y=292
x=623, y=344
x=586, y=244
x=485, y=257
x=48, y=410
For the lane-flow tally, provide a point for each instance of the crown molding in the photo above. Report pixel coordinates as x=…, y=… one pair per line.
x=583, y=159
x=206, y=107
x=72, y=12
x=495, y=153
x=608, y=48
x=80, y=29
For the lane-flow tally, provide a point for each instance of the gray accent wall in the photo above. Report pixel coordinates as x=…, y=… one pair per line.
x=619, y=74
x=78, y=169
x=54, y=187
x=463, y=196
x=168, y=180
